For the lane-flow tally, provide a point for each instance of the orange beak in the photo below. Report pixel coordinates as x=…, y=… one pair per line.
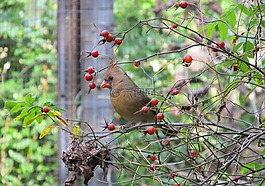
x=105, y=84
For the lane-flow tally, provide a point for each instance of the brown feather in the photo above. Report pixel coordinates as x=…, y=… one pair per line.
x=126, y=97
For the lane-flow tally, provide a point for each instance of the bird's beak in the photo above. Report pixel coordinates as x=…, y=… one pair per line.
x=105, y=84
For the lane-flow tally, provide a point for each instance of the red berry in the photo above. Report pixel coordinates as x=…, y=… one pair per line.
x=145, y=109
x=183, y=4
x=193, y=152
x=187, y=58
x=175, y=92
x=152, y=167
x=215, y=47
x=118, y=41
x=45, y=109
x=104, y=33
x=109, y=38
x=176, y=184
x=236, y=67
x=175, y=25
x=150, y=130
x=92, y=85
x=90, y=70
x=111, y=126
x=94, y=53
x=221, y=44
x=88, y=77
x=154, y=101
x=137, y=63
x=152, y=157
x=160, y=116
x=171, y=175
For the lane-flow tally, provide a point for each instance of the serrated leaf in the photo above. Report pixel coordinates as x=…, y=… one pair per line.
x=30, y=98
x=223, y=30
x=46, y=130
x=30, y=119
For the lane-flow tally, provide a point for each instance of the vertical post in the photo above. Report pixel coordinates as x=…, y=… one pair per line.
x=96, y=16
x=68, y=69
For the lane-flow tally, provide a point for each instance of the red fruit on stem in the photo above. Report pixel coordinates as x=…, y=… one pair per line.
x=111, y=126
x=137, y=63
x=221, y=44
x=94, y=53
x=109, y=38
x=152, y=157
x=104, y=33
x=187, y=58
x=88, y=76
x=150, y=130
x=145, y=109
x=154, y=101
x=176, y=184
x=193, y=152
x=152, y=167
x=215, y=47
x=118, y=41
x=160, y=116
x=175, y=92
x=183, y=4
x=90, y=70
x=175, y=25
x=236, y=67
x=92, y=85
x=45, y=109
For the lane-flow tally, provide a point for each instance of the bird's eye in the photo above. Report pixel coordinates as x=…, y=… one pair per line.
x=110, y=77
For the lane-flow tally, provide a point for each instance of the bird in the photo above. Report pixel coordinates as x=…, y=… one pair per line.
x=126, y=97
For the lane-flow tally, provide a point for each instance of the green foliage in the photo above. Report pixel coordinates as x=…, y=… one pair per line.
x=26, y=65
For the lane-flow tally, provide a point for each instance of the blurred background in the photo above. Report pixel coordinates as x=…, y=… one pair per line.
x=41, y=42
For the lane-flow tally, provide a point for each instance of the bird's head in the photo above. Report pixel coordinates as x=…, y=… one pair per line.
x=114, y=75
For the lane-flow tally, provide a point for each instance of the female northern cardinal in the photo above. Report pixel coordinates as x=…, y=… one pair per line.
x=125, y=96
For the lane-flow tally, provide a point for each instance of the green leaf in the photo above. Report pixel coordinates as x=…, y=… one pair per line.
x=30, y=98
x=236, y=47
x=18, y=157
x=244, y=67
x=11, y=104
x=223, y=30
x=244, y=9
x=23, y=113
x=30, y=118
x=230, y=17
x=248, y=47
x=18, y=107
x=210, y=29
x=39, y=119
